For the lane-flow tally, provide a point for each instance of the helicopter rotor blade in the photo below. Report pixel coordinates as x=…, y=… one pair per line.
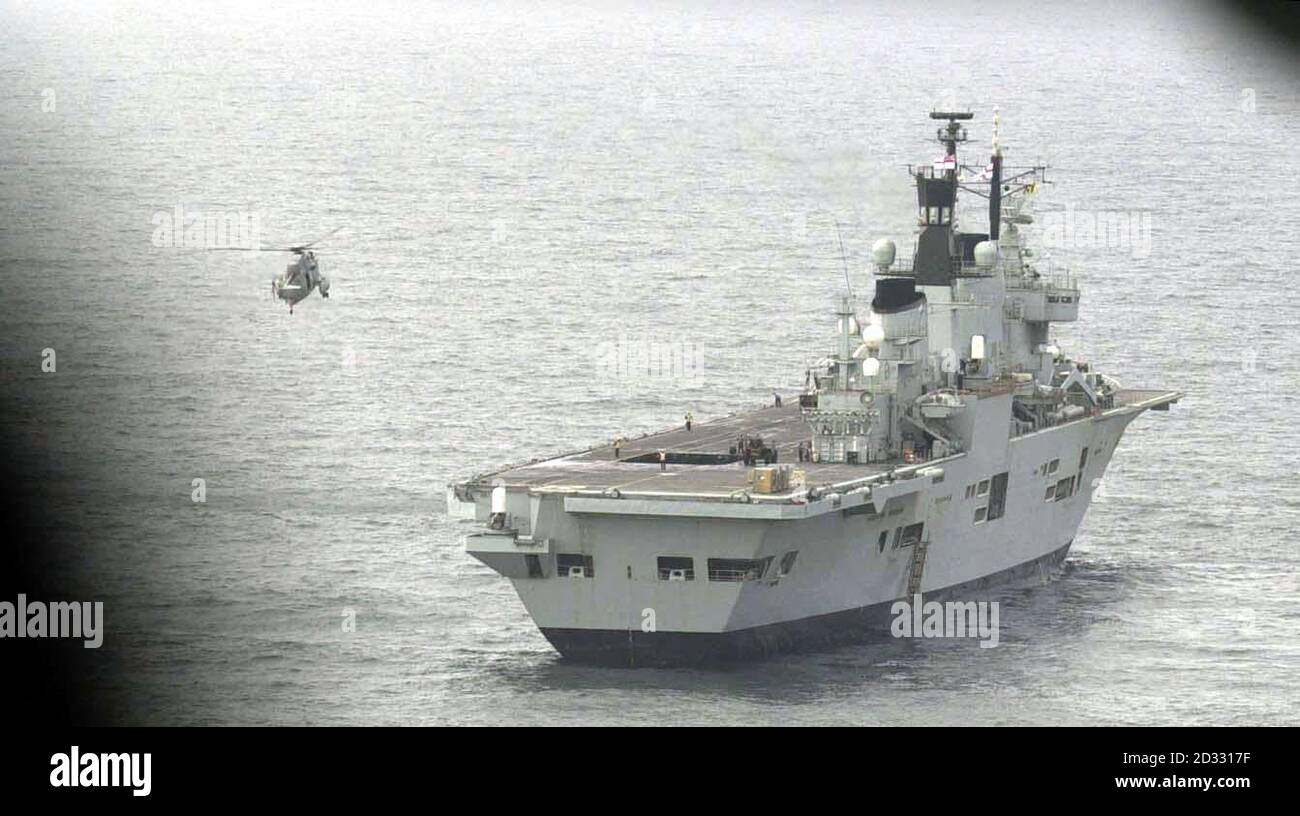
x=297, y=250
x=329, y=234
x=252, y=249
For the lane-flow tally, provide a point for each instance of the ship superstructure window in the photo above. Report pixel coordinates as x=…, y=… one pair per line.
x=868, y=510
x=908, y=535
x=534, y=563
x=981, y=514
x=737, y=569
x=1050, y=494
x=1052, y=466
x=998, y=497
x=676, y=568
x=1083, y=460
x=884, y=539
x=574, y=565
x=787, y=563
x=1064, y=489
x=984, y=488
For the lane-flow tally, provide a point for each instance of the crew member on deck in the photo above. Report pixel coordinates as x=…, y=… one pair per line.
x=689, y=419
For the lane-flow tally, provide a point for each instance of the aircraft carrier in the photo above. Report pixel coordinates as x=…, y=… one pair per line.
x=946, y=445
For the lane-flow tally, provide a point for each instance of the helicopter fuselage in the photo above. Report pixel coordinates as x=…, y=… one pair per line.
x=299, y=279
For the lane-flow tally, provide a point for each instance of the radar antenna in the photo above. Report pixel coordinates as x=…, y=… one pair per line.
x=953, y=133
x=844, y=259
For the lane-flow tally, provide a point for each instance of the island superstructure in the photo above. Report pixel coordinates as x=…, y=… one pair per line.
x=947, y=445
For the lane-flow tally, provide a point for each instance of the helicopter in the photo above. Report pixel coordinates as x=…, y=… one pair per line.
x=300, y=277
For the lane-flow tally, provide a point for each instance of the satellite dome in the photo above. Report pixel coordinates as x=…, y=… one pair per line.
x=873, y=336
x=986, y=254
x=882, y=253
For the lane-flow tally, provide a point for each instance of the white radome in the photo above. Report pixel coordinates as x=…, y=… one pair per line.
x=873, y=336
x=986, y=254
x=883, y=252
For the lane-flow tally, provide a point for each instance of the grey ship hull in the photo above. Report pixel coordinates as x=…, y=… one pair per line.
x=626, y=515
x=632, y=648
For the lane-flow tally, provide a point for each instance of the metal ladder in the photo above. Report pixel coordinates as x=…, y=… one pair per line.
x=919, y=551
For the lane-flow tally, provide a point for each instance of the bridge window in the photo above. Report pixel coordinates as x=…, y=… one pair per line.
x=676, y=568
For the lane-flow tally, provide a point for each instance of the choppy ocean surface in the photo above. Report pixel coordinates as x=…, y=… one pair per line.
x=523, y=185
